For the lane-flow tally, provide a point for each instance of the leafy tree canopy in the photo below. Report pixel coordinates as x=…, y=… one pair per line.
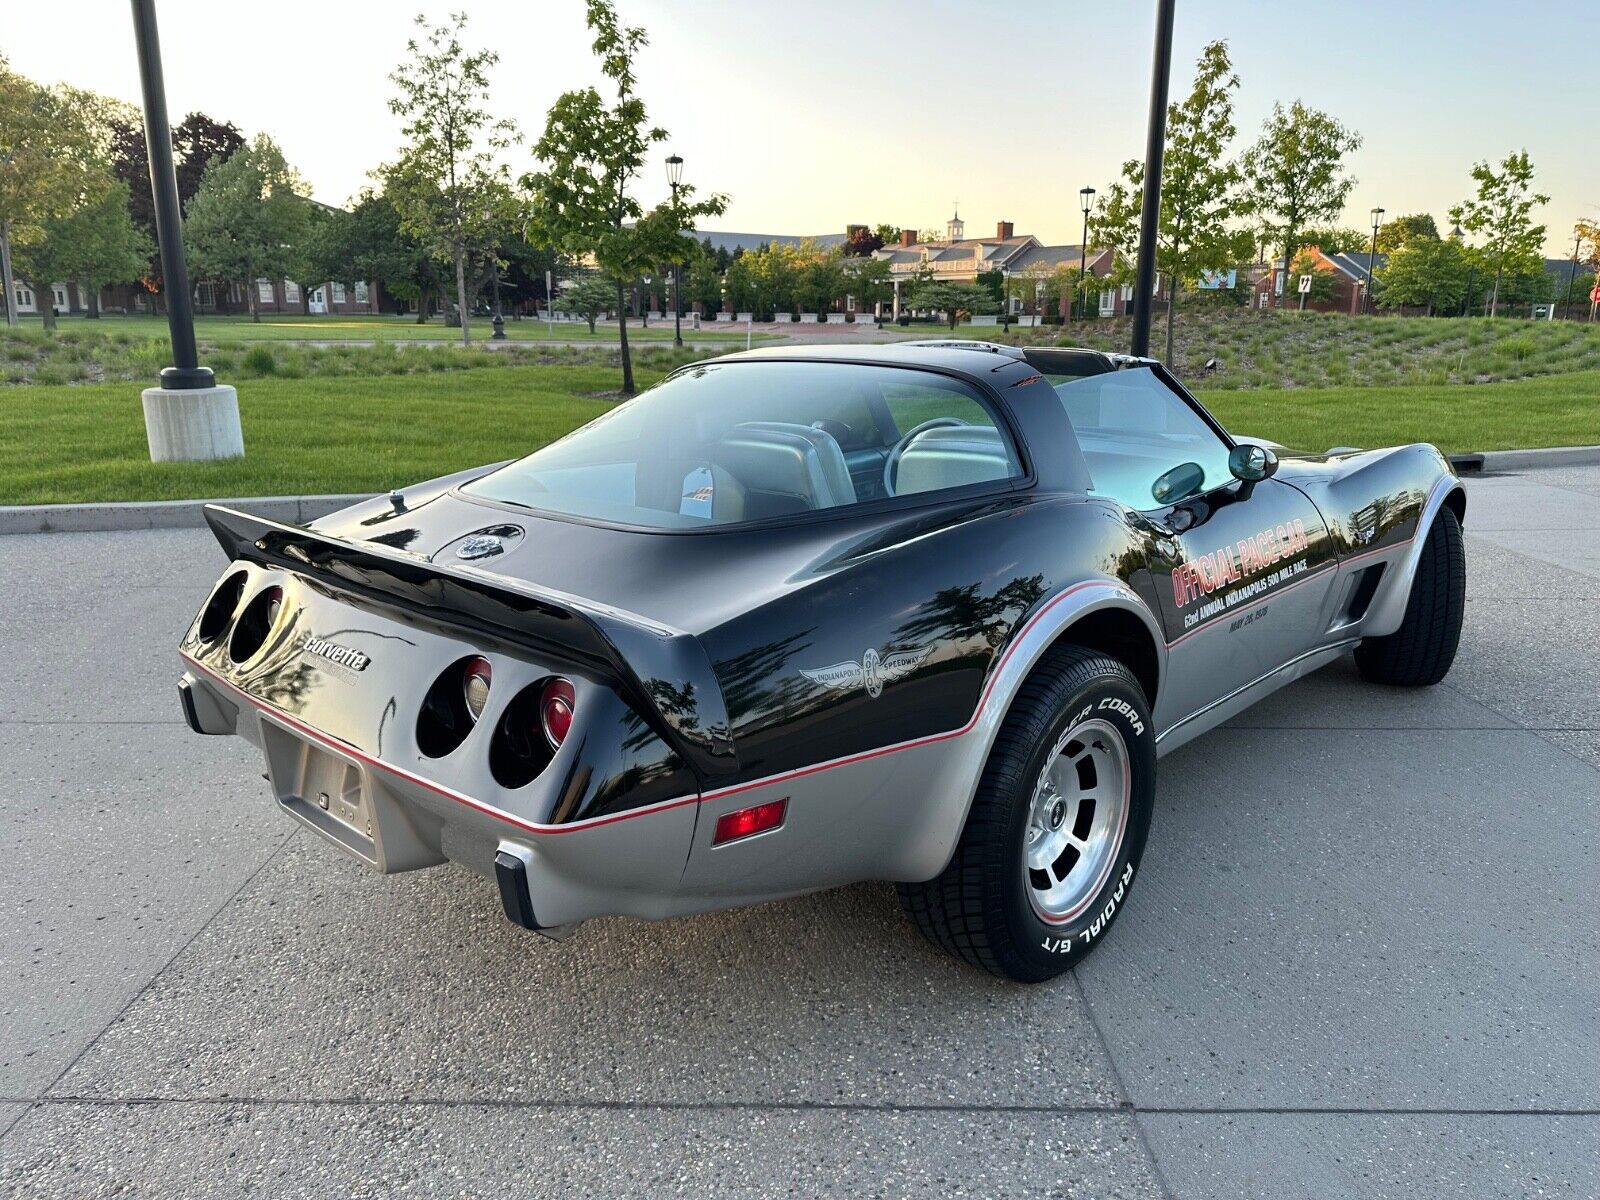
x=1294, y=172
x=248, y=219
x=593, y=152
x=1501, y=213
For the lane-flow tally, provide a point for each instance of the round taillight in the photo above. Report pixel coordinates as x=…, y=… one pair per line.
x=475, y=686
x=555, y=711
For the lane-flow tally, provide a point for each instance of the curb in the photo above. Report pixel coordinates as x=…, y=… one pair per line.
x=160, y=514
x=1494, y=461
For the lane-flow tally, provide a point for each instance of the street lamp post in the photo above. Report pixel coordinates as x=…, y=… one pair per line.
x=1038, y=303
x=674, y=178
x=1005, y=299
x=1577, y=246
x=189, y=416
x=1155, y=146
x=1372, y=256
x=1085, y=202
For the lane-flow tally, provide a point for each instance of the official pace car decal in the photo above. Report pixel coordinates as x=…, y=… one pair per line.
x=872, y=670
x=1230, y=565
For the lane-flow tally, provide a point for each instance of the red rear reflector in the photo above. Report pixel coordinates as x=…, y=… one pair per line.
x=747, y=822
x=555, y=711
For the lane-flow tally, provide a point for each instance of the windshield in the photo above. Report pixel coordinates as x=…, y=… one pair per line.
x=725, y=443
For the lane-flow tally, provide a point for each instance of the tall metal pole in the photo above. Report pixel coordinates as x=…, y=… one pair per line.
x=1372, y=256
x=1086, y=199
x=1577, y=245
x=186, y=371
x=1155, y=144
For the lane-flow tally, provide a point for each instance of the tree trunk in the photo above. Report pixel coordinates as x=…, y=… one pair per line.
x=6, y=279
x=461, y=295
x=422, y=306
x=47, y=306
x=591, y=325
x=251, y=294
x=92, y=304
x=1172, y=306
x=622, y=330
x=1288, y=262
x=1494, y=296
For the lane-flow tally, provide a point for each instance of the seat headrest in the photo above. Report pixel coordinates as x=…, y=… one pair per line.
x=949, y=456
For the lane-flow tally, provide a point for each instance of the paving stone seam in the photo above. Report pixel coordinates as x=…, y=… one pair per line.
x=799, y=1106
x=44, y=1094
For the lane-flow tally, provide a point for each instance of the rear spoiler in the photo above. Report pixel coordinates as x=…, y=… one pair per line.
x=663, y=671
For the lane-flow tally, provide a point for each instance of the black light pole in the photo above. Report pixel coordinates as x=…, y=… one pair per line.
x=1372, y=255
x=1577, y=245
x=1155, y=144
x=674, y=178
x=186, y=371
x=1085, y=202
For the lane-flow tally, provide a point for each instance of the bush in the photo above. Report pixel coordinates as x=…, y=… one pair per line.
x=258, y=361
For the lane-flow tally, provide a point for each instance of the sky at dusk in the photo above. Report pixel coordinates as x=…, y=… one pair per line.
x=814, y=115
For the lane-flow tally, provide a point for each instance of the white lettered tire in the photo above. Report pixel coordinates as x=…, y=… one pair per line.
x=1057, y=827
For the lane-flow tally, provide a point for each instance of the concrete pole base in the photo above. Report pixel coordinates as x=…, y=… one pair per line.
x=192, y=424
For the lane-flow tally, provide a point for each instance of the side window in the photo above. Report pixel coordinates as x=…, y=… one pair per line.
x=913, y=402
x=1133, y=429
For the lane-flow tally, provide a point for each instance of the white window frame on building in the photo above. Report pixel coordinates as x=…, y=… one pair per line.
x=26, y=300
x=205, y=295
x=291, y=292
x=361, y=292
x=264, y=292
x=58, y=294
x=336, y=291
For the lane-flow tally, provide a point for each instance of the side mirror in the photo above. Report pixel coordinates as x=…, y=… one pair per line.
x=1251, y=463
x=1182, y=481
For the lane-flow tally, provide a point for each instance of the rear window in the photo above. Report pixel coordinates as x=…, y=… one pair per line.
x=726, y=443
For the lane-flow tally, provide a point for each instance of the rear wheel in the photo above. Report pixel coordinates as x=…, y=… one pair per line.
x=1057, y=826
x=1420, y=652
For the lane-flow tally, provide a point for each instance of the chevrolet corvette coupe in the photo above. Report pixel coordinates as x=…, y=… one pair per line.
x=926, y=613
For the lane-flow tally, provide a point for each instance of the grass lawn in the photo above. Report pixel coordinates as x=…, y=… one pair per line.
x=1326, y=350
x=351, y=434
x=385, y=328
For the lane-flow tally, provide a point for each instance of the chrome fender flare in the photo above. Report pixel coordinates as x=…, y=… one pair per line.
x=1388, y=607
x=1017, y=660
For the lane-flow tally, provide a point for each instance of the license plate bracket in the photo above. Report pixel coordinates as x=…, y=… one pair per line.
x=329, y=791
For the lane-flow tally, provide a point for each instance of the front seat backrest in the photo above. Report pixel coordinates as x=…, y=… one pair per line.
x=781, y=471
x=829, y=454
x=952, y=456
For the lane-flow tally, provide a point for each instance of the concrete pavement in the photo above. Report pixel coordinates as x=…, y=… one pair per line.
x=1362, y=959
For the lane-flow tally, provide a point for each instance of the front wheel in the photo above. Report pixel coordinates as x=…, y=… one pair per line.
x=1420, y=652
x=1057, y=825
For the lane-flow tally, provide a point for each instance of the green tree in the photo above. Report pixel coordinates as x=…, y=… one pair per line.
x=1502, y=211
x=1424, y=273
x=247, y=219
x=589, y=296
x=593, y=152
x=819, y=282
x=871, y=282
x=702, y=282
x=370, y=242
x=1200, y=197
x=52, y=162
x=1402, y=231
x=1331, y=239
x=446, y=184
x=954, y=300
x=1294, y=173
x=94, y=244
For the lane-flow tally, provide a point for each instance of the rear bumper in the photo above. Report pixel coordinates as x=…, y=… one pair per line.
x=628, y=865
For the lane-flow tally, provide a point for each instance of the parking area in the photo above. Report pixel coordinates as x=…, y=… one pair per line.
x=1363, y=957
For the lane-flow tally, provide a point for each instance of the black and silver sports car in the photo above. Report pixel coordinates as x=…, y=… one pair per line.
x=926, y=613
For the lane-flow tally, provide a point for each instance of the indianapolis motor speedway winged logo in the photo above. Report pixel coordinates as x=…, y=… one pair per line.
x=873, y=670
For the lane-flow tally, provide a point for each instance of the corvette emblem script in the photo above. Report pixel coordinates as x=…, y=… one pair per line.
x=872, y=670
x=343, y=656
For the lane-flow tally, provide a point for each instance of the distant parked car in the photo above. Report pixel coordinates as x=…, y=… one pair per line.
x=926, y=613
